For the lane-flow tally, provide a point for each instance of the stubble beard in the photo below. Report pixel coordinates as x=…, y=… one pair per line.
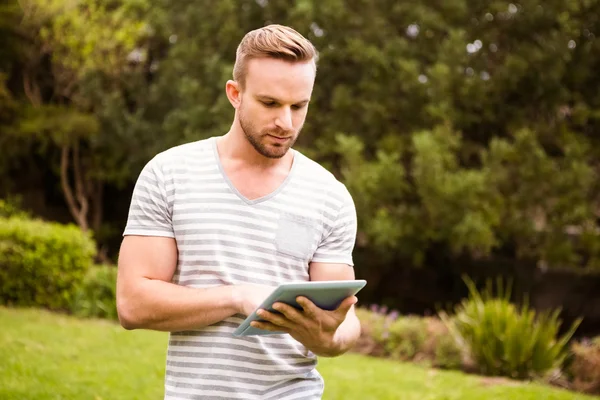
x=255, y=138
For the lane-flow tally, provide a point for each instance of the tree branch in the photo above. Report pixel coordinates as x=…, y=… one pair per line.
x=68, y=192
x=32, y=90
x=79, y=185
x=64, y=181
x=97, y=205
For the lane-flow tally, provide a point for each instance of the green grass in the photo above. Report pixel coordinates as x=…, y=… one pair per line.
x=49, y=356
x=358, y=377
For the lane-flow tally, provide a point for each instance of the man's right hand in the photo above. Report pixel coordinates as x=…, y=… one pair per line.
x=249, y=297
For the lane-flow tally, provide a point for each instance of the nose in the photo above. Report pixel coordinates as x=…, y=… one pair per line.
x=284, y=119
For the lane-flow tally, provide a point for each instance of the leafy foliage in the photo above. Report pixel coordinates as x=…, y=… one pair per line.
x=466, y=126
x=507, y=340
x=585, y=365
x=96, y=295
x=448, y=353
x=42, y=263
x=371, y=341
x=406, y=338
x=10, y=208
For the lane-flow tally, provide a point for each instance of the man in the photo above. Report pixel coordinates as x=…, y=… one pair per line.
x=216, y=224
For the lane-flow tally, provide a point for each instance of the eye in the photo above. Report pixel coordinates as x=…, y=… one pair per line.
x=269, y=103
x=298, y=107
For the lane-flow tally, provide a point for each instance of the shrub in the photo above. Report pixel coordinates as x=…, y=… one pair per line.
x=380, y=324
x=96, y=295
x=410, y=338
x=505, y=340
x=373, y=325
x=440, y=347
x=585, y=365
x=407, y=336
x=42, y=263
x=10, y=208
x=448, y=353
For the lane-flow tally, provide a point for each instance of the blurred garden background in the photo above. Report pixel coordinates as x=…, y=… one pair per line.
x=468, y=133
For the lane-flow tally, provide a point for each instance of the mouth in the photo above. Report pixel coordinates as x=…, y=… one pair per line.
x=279, y=139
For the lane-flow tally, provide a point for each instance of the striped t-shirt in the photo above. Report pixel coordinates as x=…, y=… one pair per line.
x=224, y=238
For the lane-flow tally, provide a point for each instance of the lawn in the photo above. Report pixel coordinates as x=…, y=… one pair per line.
x=49, y=356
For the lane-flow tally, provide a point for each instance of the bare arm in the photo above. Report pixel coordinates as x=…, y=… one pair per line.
x=147, y=299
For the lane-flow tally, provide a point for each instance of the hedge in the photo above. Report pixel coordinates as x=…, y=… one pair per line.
x=42, y=263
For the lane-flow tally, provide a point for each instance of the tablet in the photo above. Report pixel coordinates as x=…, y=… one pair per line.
x=325, y=294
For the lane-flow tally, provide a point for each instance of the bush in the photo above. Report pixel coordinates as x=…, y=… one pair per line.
x=440, y=347
x=407, y=336
x=42, y=263
x=585, y=366
x=96, y=295
x=448, y=354
x=505, y=340
x=373, y=325
x=10, y=208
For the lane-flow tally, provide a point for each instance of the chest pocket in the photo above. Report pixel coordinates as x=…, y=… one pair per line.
x=295, y=235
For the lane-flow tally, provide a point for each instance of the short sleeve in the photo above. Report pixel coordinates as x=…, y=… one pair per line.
x=338, y=244
x=149, y=212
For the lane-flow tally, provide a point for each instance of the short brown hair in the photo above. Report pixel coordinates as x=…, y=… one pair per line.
x=274, y=41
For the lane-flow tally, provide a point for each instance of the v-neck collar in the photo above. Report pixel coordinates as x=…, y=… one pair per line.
x=237, y=192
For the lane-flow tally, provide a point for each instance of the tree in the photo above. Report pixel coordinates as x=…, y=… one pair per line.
x=89, y=45
x=505, y=79
x=460, y=125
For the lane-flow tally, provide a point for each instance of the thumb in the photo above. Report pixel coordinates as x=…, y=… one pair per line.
x=347, y=304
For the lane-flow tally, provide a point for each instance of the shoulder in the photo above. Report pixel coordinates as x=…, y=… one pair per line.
x=317, y=176
x=177, y=157
x=183, y=152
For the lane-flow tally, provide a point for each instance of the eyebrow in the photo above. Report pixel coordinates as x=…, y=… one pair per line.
x=269, y=98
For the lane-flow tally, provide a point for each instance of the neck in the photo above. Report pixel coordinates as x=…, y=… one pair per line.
x=234, y=146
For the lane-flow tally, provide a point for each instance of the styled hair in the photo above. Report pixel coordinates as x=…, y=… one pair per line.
x=272, y=41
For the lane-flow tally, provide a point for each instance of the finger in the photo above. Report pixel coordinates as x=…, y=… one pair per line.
x=275, y=319
x=289, y=312
x=267, y=326
x=309, y=308
x=346, y=305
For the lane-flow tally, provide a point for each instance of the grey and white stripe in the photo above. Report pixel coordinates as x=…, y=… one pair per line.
x=223, y=239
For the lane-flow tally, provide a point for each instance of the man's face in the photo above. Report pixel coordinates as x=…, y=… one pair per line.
x=274, y=103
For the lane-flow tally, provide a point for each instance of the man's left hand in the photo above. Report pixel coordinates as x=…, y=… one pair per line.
x=312, y=326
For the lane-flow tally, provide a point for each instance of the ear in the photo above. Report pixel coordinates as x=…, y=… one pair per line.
x=234, y=94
